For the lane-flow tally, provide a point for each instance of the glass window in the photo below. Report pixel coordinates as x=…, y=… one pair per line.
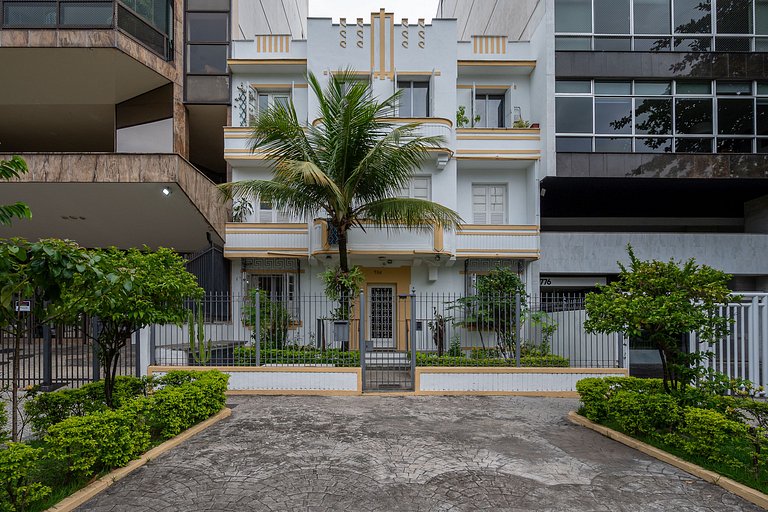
x=693, y=16
x=735, y=116
x=613, y=88
x=762, y=116
x=653, y=44
x=490, y=108
x=613, y=44
x=761, y=44
x=414, y=99
x=693, y=116
x=613, y=115
x=693, y=145
x=734, y=16
x=652, y=16
x=567, y=43
x=207, y=27
x=613, y=145
x=653, y=116
x=762, y=88
x=573, y=144
x=611, y=16
x=573, y=16
x=732, y=44
x=653, y=88
x=762, y=145
x=573, y=115
x=735, y=88
x=489, y=204
x=761, y=16
x=207, y=59
x=573, y=86
x=693, y=44
x=734, y=145
x=420, y=187
x=653, y=145
x=693, y=87
x=207, y=5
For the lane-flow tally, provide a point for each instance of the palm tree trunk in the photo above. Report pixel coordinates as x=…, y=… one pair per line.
x=343, y=256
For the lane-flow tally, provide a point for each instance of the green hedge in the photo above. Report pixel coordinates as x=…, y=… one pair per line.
x=596, y=392
x=246, y=356
x=426, y=359
x=18, y=488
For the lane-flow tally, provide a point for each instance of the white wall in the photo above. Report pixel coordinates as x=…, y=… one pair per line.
x=154, y=137
x=517, y=192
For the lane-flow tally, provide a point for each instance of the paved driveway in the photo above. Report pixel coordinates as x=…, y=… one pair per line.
x=407, y=453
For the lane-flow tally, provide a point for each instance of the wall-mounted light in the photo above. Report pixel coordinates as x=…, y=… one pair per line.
x=167, y=191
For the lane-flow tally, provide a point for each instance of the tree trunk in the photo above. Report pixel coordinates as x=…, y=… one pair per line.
x=343, y=256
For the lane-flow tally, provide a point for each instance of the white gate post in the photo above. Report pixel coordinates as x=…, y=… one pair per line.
x=143, y=338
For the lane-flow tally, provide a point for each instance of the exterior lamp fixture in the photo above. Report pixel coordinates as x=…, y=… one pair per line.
x=167, y=191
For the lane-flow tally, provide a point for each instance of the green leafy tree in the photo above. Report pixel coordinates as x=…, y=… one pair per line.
x=36, y=272
x=273, y=317
x=133, y=289
x=10, y=169
x=662, y=301
x=352, y=164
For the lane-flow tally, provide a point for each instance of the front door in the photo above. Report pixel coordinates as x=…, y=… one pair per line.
x=381, y=315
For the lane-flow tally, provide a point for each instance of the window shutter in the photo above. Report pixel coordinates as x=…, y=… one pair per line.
x=421, y=188
x=479, y=204
x=497, y=203
x=265, y=212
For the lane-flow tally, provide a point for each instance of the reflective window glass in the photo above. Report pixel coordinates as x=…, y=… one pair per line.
x=652, y=16
x=693, y=16
x=573, y=86
x=693, y=116
x=734, y=145
x=762, y=116
x=693, y=145
x=613, y=44
x=761, y=44
x=762, y=145
x=734, y=16
x=207, y=59
x=692, y=44
x=732, y=44
x=611, y=16
x=613, y=145
x=613, y=115
x=653, y=88
x=653, y=116
x=207, y=27
x=761, y=16
x=490, y=108
x=733, y=88
x=613, y=88
x=735, y=116
x=762, y=88
x=565, y=43
x=693, y=87
x=652, y=44
x=573, y=115
x=653, y=145
x=573, y=144
x=573, y=16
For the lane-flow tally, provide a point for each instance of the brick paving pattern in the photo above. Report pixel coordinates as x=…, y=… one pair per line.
x=407, y=453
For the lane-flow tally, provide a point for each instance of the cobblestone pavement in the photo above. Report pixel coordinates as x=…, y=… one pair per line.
x=407, y=453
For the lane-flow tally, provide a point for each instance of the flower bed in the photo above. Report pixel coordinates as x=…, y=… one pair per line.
x=79, y=437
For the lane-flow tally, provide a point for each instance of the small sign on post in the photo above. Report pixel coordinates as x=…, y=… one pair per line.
x=24, y=306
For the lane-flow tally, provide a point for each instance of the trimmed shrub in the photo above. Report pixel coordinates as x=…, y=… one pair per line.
x=428, y=359
x=246, y=356
x=595, y=392
x=18, y=490
x=643, y=413
x=709, y=434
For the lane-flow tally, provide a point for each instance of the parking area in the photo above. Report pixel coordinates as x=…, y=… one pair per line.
x=407, y=453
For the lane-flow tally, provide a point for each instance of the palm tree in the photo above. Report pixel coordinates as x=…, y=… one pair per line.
x=352, y=163
x=10, y=169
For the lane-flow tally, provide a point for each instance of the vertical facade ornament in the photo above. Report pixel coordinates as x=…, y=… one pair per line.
x=422, y=33
x=405, y=32
x=343, y=32
x=359, y=32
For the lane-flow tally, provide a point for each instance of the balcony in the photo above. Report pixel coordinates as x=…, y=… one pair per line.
x=498, y=143
x=269, y=53
x=254, y=240
x=149, y=23
x=502, y=241
x=377, y=241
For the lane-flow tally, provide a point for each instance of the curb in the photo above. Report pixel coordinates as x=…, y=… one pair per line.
x=73, y=501
x=752, y=495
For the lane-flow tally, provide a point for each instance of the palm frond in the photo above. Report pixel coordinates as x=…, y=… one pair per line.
x=284, y=197
x=10, y=211
x=399, y=213
x=13, y=168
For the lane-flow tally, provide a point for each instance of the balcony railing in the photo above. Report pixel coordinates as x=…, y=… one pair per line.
x=93, y=14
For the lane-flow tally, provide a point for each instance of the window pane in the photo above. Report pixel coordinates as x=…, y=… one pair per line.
x=693, y=116
x=653, y=116
x=613, y=44
x=492, y=110
x=207, y=27
x=613, y=88
x=573, y=86
x=563, y=43
x=761, y=44
x=693, y=16
x=205, y=59
x=694, y=87
x=613, y=115
x=734, y=16
x=263, y=102
x=692, y=44
x=693, y=145
x=762, y=145
x=573, y=16
x=734, y=145
x=573, y=115
x=611, y=16
x=735, y=88
x=653, y=145
x=653, y=44
x=652, y=17
x=732, y=44
x=420, y=99
x=653, y=88
x=761, y=16
x=762, y=88
x=405, y=99
x=207, y=5
x=735, y=116
x=613, y=145
x=762, y=116
x=573, y=144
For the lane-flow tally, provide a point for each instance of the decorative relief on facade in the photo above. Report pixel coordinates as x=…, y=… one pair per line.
x=422, y=33
x=494, y=45
x=359, y=33
x=273, y=43
x=270, y=264
x=241, y=102
x=405, y=32
x=343, y=32
x=382, y=44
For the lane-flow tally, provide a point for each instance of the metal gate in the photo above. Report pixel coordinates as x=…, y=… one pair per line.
x=388, y=355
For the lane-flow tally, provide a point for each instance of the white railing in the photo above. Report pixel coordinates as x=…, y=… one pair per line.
x=245, y=239
x=477, y=240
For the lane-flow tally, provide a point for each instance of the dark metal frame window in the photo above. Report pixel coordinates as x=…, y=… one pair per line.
x=410, y=103
x=206, y=50
x=685, y=116
x=662, y=25
x=483, y=108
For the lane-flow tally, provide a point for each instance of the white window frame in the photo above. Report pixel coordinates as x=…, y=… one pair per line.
x=271, y=96
x=488, y=220
x=410, y=86
x=410, y=191
x=483, y=122
x=266, y=213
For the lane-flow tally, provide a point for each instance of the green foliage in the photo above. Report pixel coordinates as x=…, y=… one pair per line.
x=18, y=490
x=709, y=434
x=198, y=347
x=461, y=117
x=273, y=316
x=596, y=392
x=643, y=413
x=425, y=359
x=10, y=169
x=661, y=301
x=547, y=326
x=521, y=123
x=133, y=289
x=246, y=356
x=352, y=165
x=454, y=350
x=343, y=287
x=4, y=433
